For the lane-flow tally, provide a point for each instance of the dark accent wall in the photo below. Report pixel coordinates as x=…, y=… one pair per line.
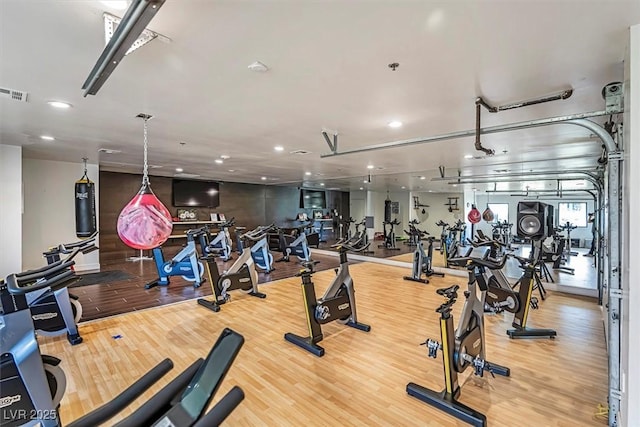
x=250, y=204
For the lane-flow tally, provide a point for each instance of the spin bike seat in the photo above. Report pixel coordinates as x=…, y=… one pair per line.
x=448, y=292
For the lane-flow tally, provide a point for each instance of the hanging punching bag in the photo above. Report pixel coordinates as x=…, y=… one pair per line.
x=487, y=215
x=387, y=211
x=85, y=195
x=474, y=215
x=145, y=223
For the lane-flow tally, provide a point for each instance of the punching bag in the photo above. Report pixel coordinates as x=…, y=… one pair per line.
x=85, y=195
x=387, y=211
x=474, y=215
x=487, y=215
x=145, y=223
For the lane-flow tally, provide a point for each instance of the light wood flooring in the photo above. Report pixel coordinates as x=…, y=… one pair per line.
x=362, y=377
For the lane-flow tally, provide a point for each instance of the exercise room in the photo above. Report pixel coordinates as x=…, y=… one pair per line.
x=319, y=213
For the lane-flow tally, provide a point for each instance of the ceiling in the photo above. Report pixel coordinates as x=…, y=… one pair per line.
x=328, y=69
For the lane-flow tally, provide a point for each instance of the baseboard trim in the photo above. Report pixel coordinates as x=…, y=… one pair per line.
x=87, y=268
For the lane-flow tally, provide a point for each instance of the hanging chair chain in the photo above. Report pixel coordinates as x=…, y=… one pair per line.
x=145, y=167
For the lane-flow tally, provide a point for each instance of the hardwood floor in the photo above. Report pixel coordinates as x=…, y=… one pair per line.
x=109, y=299
x=361, y=380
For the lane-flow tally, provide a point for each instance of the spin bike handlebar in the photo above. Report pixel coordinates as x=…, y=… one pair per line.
x=85, y=246
x=259, y=232
x=33, y=280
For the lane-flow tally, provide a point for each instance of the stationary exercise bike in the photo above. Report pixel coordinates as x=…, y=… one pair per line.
x=337, y=303
x=184, y=264
x=260, y=247
x=460, y=349
x=34, y=384
x=422, y=263
x=389, y=236
x=294, y=245
x=54, y=310
x=242, y=275
x=221, y=245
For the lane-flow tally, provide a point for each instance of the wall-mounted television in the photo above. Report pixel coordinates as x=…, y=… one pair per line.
x=313, y=199
x=190, y=192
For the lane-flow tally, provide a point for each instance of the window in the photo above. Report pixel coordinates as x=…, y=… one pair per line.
x=575, y=213
x=500, y=211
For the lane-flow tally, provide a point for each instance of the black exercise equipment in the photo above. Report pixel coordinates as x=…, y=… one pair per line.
x=33, y=384
x=389, y=236
x=337, y=303
x=568, y=227
x=461, y=348
x=54, y=310
x=242, y=275
x=422, y=263
x=85, y=196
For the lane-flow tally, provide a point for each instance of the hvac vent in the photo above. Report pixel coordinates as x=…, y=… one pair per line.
x=16, y=95
x=108, y=151
x=300, y=152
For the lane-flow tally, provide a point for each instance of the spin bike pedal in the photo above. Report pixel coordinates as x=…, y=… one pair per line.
x=432, y=347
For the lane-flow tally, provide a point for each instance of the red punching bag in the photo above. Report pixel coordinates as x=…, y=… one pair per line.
x=474, y=215
x=145, y=223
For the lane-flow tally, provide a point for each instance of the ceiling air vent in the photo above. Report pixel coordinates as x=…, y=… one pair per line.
x=300, y=152
x=16, y=95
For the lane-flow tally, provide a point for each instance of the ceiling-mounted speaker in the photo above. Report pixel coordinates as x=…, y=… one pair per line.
x=534, y=220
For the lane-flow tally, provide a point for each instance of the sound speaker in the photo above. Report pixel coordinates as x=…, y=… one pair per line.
x=534, y=220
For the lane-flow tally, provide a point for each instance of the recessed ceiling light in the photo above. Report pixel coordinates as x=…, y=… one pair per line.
x=47, y=138
x=225, y=157
x=219, y=161
x=179, y=170
x=365, y=181
x=423, y=177
x=395, y=124
x=370, y=166
x=264, y=178
x=59, y=104
x=322, y=184
x=403, y=187
x=307, y=173
x=232, y=170
x=362, y=188
x=455, y=185
x=278, y=148
x=430, y=191
x=258, y=67
x=468, y=156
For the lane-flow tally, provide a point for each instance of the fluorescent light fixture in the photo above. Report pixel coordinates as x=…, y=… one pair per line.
x=59, y=104
x=132, y=25
x=370, y=166
x=365, y=181
x=468, y=156
x=395, y=124
x=455, y=185
x=322, y=184
x=362, y=188
x=264, y=178
x=403, y=187
x=423, y=177
x=225, y=157
x=258, y=66
x=219, y=161
x=278, y=148
x=47, y=138
x=179, y=170
x=307, y=173
x=232, y=170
